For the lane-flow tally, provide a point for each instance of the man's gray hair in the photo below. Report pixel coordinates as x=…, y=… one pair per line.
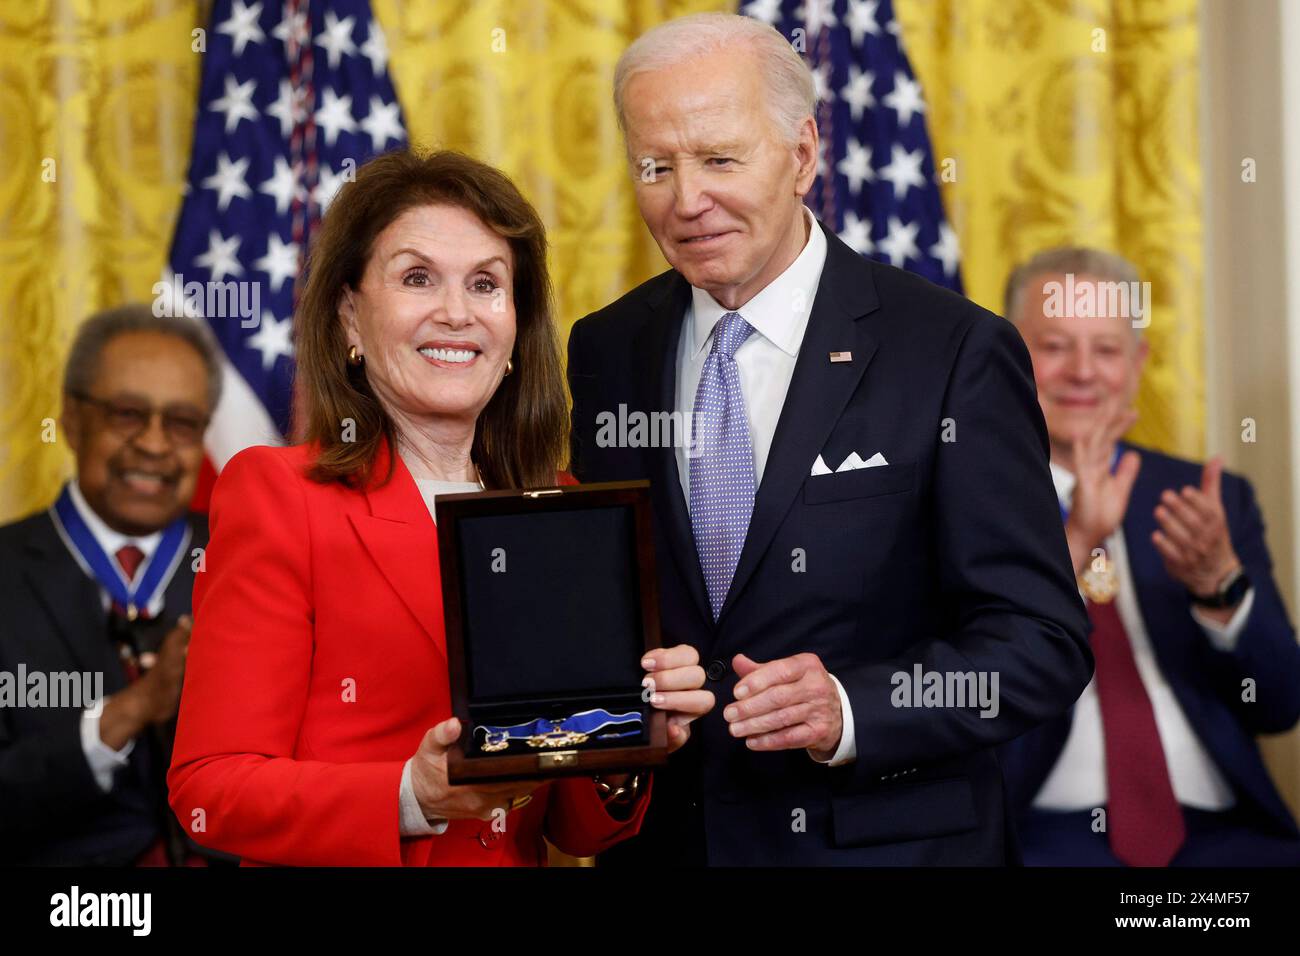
x=1065, y=260
x=791, y=92
x=102, y=327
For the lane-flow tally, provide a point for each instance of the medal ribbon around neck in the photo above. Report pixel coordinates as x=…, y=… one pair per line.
x=106, y=570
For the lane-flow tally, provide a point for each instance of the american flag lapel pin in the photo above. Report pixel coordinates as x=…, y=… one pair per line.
x=841, y=356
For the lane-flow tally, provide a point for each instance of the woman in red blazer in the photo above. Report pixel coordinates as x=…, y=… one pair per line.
x=316, y=712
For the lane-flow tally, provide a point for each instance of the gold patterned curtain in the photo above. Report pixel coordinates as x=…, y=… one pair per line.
x=1076, y=121
x=1054, y=143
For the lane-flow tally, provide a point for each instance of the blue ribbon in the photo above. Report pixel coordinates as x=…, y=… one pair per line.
x=586, y=722
x=106, y=570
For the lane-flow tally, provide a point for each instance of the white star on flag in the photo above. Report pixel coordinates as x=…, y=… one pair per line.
x=905, y=99
x=904, y=170
x=375, y=49
x=242, y=25
x=327, y=187
x=293, y=27
x=336, y=38
x=335, y=115
x=220, y=258
x=283, y=186
x=857, y=92
x=287, y=108
x=228, y=180
x=900, y=243
x=945, y=250
x=822, y=83
x=237, y=104
x=280, y=261
x=272, y=339
x=856, y=166
x=383, y=123
x=857, y=234
x=765, y=10
x=862, y=20
x=817, y=14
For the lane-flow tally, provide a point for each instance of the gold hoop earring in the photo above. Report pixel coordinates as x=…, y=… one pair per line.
x=354, y=357
x=510, y=366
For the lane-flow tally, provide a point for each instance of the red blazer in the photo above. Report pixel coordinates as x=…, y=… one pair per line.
x=316, y=665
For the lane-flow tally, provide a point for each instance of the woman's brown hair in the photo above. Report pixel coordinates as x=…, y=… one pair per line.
x=520, y=438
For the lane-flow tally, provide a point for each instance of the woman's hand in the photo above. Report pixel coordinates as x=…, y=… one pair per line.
x=439, y=799
x=674, y=678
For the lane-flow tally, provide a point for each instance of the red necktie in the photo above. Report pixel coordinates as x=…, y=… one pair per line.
x=1145, y=823
x=129, y=558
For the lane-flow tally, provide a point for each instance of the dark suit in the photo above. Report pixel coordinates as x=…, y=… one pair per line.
x=1207, y=682
x=951, y=556
x=51, y=619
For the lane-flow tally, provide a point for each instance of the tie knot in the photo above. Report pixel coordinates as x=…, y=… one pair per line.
x=129, y=557
x=730, y=332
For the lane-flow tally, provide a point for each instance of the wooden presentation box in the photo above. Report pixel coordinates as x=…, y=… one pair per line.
x=550, y=600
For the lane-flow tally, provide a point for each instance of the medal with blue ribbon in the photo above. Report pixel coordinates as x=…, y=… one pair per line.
x=565, y=732
x=105, y=570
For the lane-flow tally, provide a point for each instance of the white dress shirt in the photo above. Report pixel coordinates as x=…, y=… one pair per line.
x=102, y=758
x=413, y=821
x=765, y=362
x=1078, y=780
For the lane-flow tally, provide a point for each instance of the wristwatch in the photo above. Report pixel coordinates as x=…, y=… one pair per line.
x=1229, y=593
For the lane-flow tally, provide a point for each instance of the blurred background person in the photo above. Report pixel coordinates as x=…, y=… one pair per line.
x=1195, y=654
x=100, y=583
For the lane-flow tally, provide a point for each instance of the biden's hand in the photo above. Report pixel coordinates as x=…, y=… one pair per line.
x=786, y=704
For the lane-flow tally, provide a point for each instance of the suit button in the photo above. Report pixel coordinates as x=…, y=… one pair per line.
x=716, y=670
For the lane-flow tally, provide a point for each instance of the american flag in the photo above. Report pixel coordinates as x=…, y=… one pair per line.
x=294, y=96
x=875, y=184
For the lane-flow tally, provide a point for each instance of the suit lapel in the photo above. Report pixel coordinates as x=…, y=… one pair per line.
x=70, y=598
x=819, y=391
x=401, y=539
x=658, y=340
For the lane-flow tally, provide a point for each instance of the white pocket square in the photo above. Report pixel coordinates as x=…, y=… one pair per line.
x=854, y=462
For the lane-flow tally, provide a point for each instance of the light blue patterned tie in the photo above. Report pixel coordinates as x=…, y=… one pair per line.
x=722, y=462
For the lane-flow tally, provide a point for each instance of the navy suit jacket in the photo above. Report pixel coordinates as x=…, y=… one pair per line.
x=1207, y=682
x=951, y=556
x=52, y=811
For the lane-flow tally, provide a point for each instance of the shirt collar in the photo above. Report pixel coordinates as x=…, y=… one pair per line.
x=1063, y=479
x=770, y=311
x=111, y=541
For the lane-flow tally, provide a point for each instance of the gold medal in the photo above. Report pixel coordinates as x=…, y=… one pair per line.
x=557, y=738
x=1099, y=582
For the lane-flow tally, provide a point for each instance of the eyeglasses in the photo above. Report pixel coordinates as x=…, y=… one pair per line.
x=127, y=419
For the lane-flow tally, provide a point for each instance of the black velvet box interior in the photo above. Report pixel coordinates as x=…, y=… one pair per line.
x=550, y=604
